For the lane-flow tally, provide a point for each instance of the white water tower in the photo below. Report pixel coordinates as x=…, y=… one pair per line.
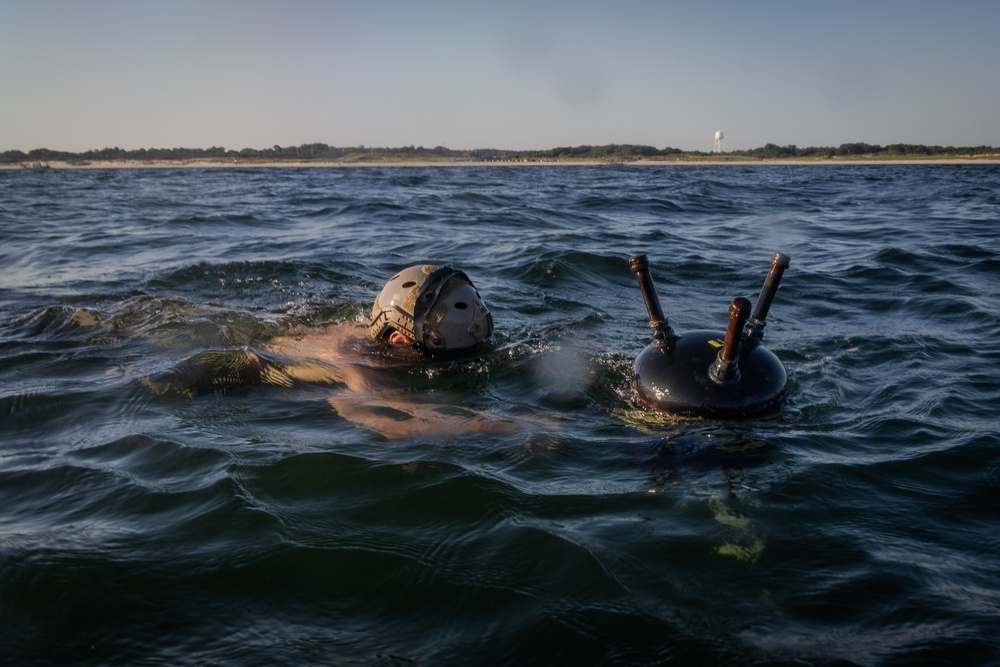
x=720, y=143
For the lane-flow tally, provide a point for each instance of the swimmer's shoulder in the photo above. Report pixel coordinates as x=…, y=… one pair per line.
x=332, y=342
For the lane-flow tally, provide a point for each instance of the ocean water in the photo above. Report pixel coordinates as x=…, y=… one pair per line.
x=247, y=523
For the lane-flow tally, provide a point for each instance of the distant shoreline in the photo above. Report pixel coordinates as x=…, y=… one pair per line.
x=215, y=163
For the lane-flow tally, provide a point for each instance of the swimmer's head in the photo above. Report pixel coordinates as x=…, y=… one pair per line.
x=437, y=308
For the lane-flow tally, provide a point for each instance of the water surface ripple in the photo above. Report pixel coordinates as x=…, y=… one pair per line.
x=256, y=525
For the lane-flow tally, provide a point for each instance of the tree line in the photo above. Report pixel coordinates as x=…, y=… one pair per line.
x=610, y=152
x=855, y=149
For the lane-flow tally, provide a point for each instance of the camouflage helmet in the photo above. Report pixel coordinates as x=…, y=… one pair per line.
x=437, y=306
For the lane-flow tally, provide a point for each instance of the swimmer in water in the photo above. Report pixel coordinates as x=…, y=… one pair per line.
x=424, y=312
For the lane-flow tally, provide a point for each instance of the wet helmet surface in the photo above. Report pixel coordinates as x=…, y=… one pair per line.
x=437, y=306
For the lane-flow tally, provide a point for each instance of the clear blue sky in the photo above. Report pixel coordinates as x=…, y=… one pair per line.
x=78, y=75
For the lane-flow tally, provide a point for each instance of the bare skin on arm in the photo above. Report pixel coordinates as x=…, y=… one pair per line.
x=337, y=354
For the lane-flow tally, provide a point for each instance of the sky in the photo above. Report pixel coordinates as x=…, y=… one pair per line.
x=78, y=75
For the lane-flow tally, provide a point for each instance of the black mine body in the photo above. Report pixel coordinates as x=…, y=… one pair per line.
x=710, y=374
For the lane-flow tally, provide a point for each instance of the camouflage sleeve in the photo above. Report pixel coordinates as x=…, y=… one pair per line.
x=218, y=371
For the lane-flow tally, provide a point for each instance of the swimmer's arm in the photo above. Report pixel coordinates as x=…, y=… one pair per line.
x=221, y=370
x=325, y=357
x=313, y=372
x=397, y=419
x=214, y=370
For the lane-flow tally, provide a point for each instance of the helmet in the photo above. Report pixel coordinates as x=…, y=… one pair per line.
x=437, y=306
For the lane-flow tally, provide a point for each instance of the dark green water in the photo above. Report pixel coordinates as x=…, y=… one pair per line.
x=255, y=525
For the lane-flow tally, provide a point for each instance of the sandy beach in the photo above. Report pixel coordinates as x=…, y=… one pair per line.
x=230, y=164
